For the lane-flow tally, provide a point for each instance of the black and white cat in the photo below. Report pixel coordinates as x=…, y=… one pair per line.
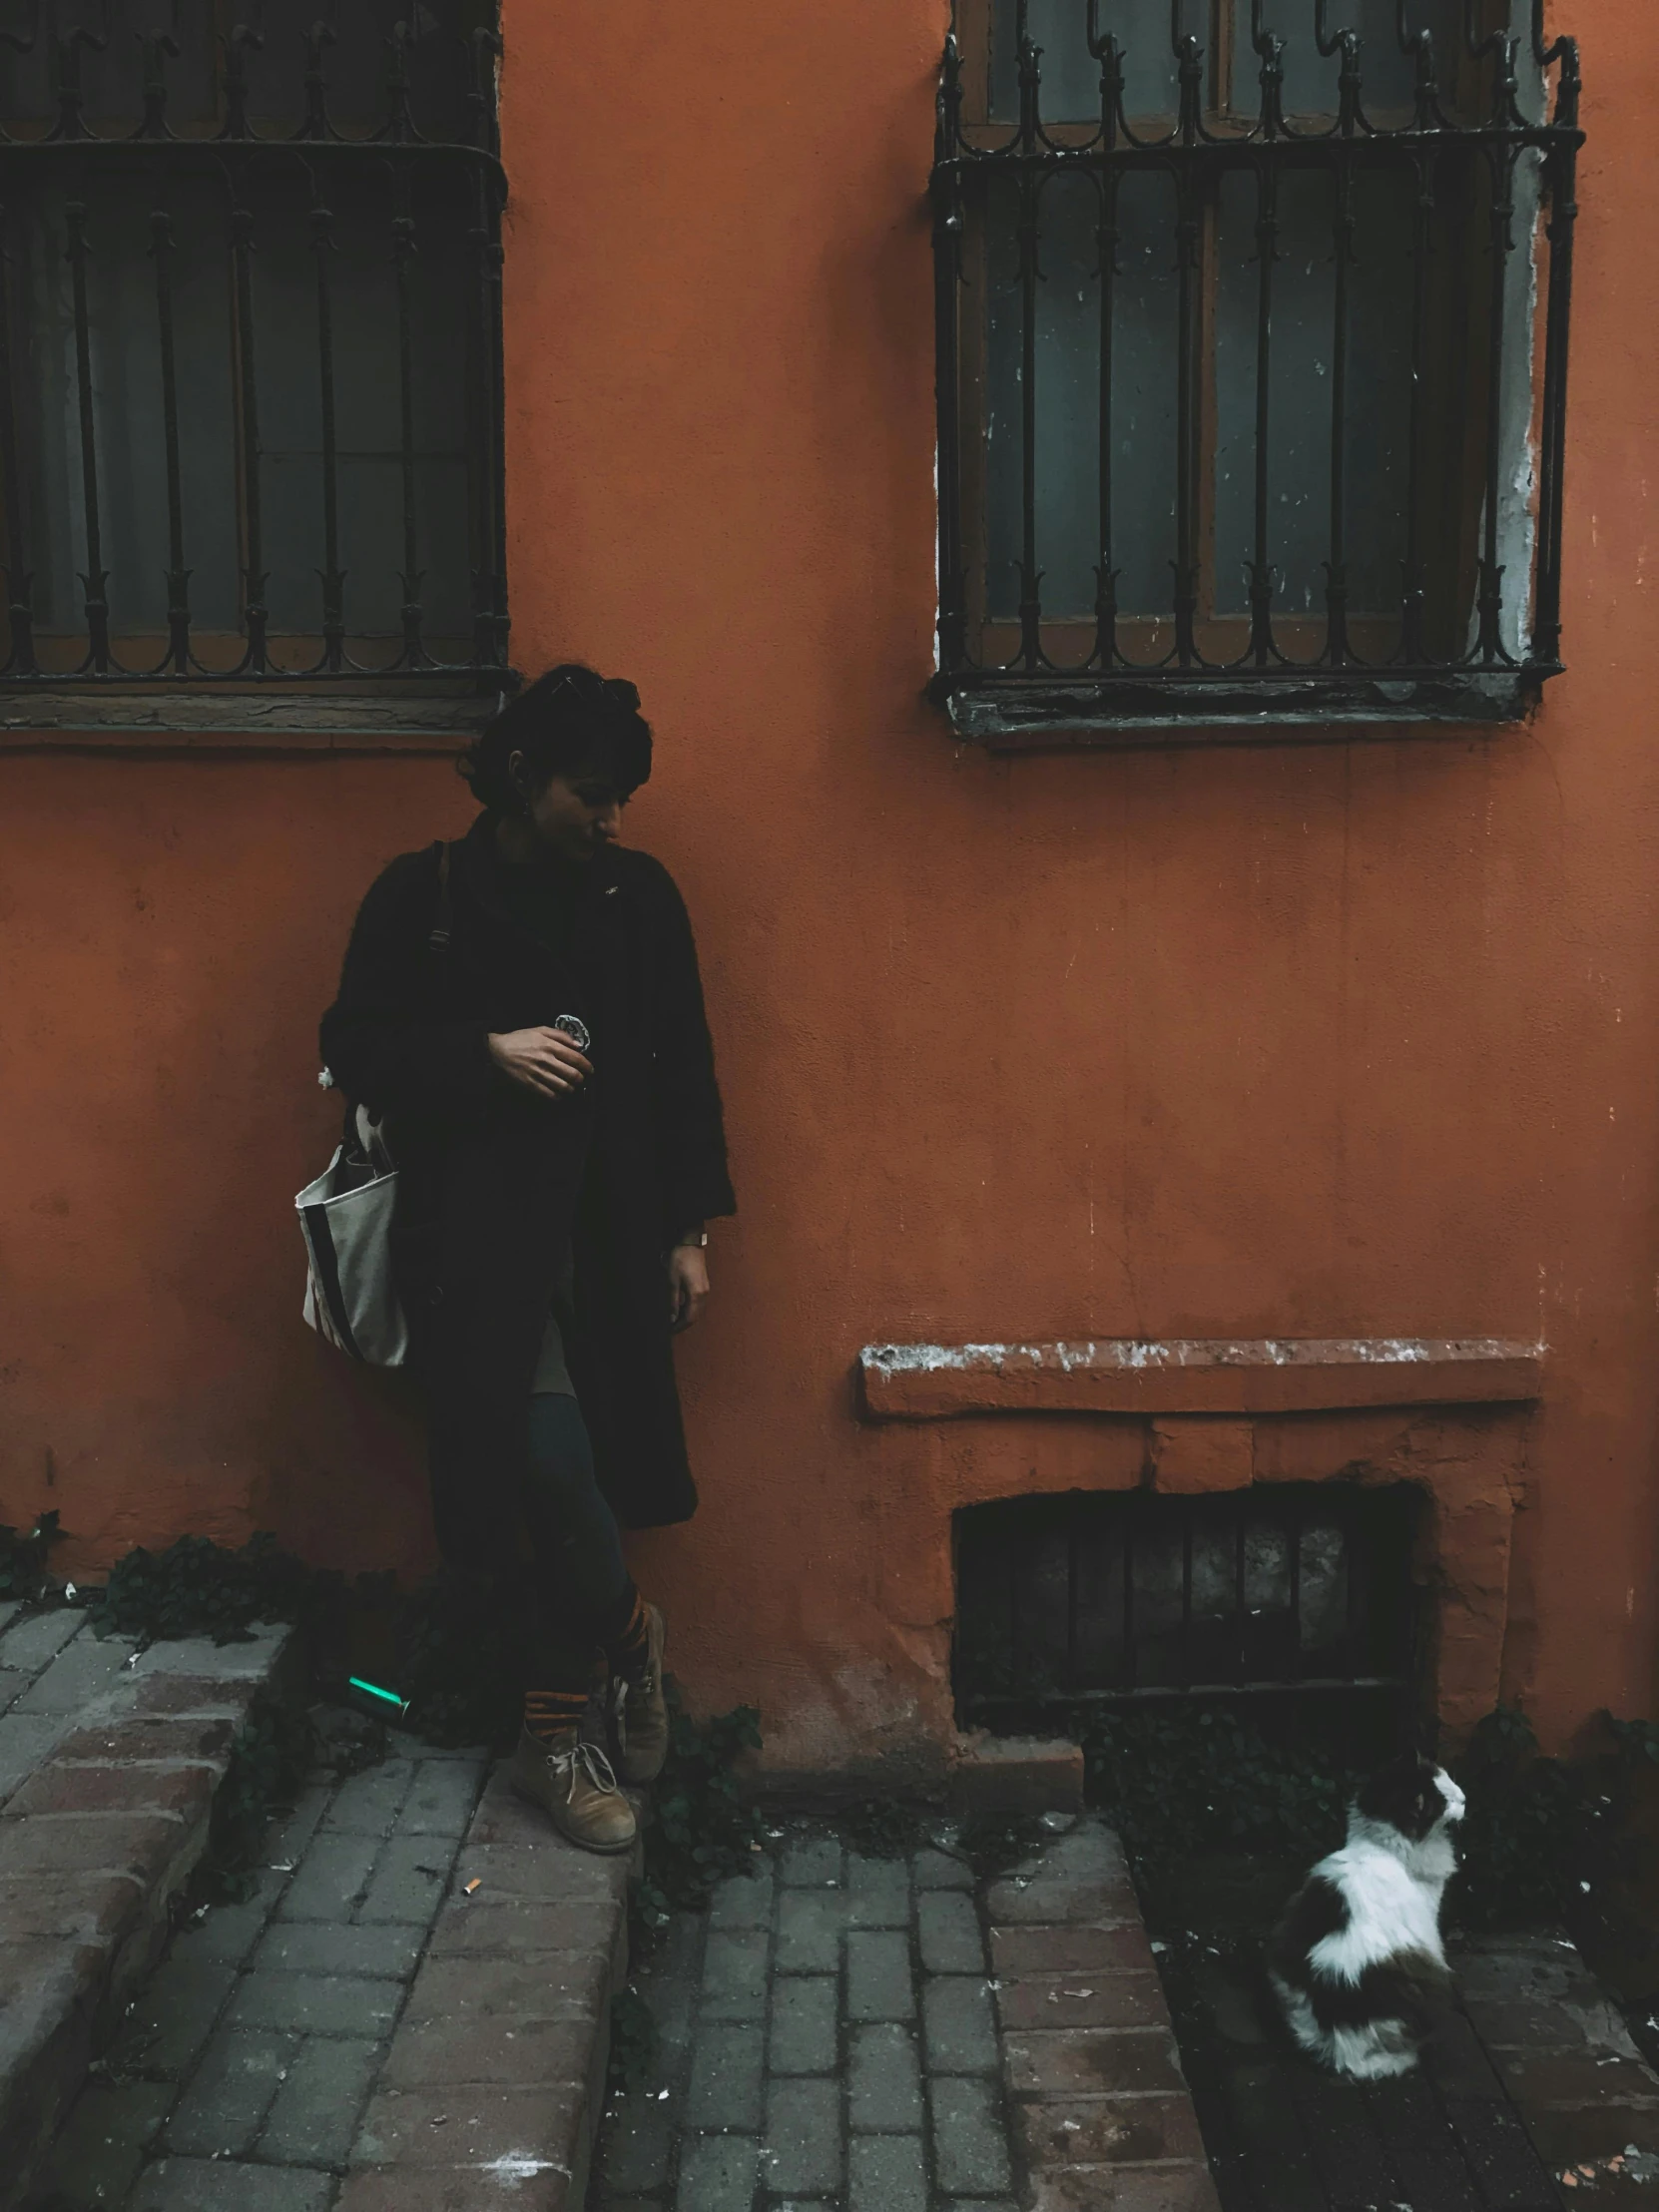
x=1358, y=1961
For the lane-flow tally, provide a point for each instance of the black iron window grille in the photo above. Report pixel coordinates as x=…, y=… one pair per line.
x=1294, y=1592
x=1252, y=360
x=250, y=415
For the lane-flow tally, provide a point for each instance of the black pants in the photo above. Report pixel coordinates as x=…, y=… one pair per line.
x=578, y=1596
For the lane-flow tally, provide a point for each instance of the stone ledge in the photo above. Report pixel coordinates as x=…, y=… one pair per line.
x=995, y=1776
x=93, y=1846
x=1103, y=2110
x=1197, y=1375
x=1583, y=2090
x=492, y=2089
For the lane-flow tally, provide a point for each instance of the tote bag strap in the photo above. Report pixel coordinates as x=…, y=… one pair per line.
x=357, y=1125
x=370, y=1141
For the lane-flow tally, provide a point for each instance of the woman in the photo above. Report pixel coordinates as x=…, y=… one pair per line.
x=523, y=1009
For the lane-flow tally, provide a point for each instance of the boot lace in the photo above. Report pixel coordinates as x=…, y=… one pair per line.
x=589, y=1760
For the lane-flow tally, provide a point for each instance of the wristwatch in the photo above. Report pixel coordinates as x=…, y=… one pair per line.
x=692, y=1237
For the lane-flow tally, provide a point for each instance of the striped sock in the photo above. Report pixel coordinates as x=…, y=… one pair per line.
x=628, y=1649
x=550, y=1713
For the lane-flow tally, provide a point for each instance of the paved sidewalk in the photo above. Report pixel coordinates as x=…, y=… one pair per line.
x=51, y=1667
x=827, y=2036
x=240, y=2077
x=109, y=1763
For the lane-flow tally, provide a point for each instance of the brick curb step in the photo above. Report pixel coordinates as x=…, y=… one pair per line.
x=108, y=1769
x=1101, y=2107
x=493, y=2085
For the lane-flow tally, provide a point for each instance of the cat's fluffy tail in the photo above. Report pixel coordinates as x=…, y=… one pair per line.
x=1371, y=2050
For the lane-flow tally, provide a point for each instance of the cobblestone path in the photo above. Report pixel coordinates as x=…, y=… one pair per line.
x=237, y=2082
x=826, y=2035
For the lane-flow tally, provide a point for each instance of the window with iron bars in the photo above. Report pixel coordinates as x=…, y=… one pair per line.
x=250, y=346
x=1252, y=327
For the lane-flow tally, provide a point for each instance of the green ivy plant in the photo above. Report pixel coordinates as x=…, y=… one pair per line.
x=698, y=1827
x=993, y=1843
x=269, y=1759
x=199, y=1588
x=1535, y=1827
x=882, y=1827
x=1206, y=1778
x=1536, y=1835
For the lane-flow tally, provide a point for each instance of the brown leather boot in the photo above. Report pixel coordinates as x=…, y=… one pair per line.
x=574, y=1784
x=639, y=1710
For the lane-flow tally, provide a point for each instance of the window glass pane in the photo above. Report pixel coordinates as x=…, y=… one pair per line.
x=283, y=190
x=112, y=77
x=1145, y=363
x=1070, y=73
x=1068, y=394
x=1143, y=411
x=363, y=285
x=357, y=64
x=124, y=358
x=1004, y=462
x=1387, y=76
x=1300, y=388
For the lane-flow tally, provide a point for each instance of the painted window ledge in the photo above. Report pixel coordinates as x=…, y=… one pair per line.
x=1197, y=1375
x=418, y=715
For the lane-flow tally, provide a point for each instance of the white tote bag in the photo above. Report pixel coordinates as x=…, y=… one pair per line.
x=346, y=1218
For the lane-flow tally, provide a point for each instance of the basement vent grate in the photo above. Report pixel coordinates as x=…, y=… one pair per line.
x=1294, y=1592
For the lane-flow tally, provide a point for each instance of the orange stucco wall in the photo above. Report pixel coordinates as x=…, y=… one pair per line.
x=1342, y=1038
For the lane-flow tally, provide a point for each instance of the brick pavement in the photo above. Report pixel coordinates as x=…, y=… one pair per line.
x=108, y=1761
x=409, y=2014
x=238, y=2080
x=826, y=2038
x=1103, y=2113
x=491, y=2092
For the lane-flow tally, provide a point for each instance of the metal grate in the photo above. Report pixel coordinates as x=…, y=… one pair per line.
x=251, y=413
x=1294, y=1592
x=1236, y=408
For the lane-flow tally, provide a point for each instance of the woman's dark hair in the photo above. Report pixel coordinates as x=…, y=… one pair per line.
x=572, y=721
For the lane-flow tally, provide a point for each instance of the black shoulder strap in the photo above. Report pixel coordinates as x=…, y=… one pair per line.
x=444, y=920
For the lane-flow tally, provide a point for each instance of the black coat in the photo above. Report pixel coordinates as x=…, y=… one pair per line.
x=497, y=1188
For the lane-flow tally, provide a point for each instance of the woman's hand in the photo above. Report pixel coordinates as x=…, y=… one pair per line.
x=687, y=1285
x=543, y=1060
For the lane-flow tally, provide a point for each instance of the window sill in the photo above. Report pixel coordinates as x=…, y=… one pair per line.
x=423, y=715
x=1197, y=1375
x=1016, y=714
